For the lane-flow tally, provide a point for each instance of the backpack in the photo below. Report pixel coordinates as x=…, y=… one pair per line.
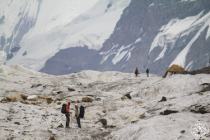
x=63, y=109
x=82, y=111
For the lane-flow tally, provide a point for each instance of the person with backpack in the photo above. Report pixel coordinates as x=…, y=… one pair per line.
x=136, y=72
x=66, y=110
x=147, y=71
x=77, y=114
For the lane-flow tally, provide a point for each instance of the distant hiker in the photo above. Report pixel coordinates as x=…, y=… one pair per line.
x=147, y=71
x=77, y=114
x=66, y=110
x=136, y=72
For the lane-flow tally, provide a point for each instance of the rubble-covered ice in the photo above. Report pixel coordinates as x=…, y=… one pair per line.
x=118, y=105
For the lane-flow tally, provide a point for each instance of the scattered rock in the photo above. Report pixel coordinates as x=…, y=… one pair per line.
x=18, y=123
x=135, y=121
x=205, y=87
x=167, y=112
x=98, y=99
x=183, y=131
x=103, y=122
x=58, y=103
x=24, y=97
x=49, y=100
x=11, y=138
x=201, y=109
x=52, y=138
x=104, y=111
x=87, y=99
x=126, y=96
x=36, y=85
x=71, y=89
x=9, y=118
x=163, y=99
x=60, y=126
x=59, y=92
x=142, y=116
x=32, y=98
x=10, y=99
x=111, y=126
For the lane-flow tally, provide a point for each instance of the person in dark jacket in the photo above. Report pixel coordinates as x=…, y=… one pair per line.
x=67, y=114
x=77, y=114
x=136, y=72
x=147, y=71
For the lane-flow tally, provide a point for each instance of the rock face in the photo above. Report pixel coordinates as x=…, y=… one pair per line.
x=151, y=34
x=156, y=34
x=135, y=33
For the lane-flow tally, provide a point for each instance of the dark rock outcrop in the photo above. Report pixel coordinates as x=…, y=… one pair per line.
x=163, y=99
x=167, y=112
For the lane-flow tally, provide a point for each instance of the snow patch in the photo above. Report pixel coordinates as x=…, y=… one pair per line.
x=121, y=53
x=138, y=40
x=172, y=30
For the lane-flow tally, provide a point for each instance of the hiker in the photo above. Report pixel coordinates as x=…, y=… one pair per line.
x=147, y=71
x=77, y=114
x=136, y=72
x=66, y=110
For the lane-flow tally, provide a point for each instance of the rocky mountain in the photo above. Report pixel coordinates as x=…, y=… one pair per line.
x=70, y=36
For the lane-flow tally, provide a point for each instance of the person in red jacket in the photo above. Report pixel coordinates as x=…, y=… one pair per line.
x=67, y=114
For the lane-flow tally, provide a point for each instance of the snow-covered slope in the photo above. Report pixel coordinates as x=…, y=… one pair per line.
x=30, y=104
x=60, y=25
x=157, y=34
x=68, y=36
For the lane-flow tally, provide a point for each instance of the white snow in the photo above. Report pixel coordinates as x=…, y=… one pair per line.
x=152, y=4
x=67, y=24
x=32, y=97
x=181, y=57
x=138, y=40
x=122, y=52
x=118, y=57
x=168, y=33
x=161, y=55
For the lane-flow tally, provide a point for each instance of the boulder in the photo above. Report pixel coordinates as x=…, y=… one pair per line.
x=201, y=109
x=49, y=100
x=52, y=138
x=103, y=122
x=32, y=98
x=18, y=123
x=126, y=96
x=167, y=112
x=205, y=87
x=10, y=99
x=24, y=97
x=71, y=89
x=36, y=85
x=60, y=126
x=164, y=99
x=87, y=99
